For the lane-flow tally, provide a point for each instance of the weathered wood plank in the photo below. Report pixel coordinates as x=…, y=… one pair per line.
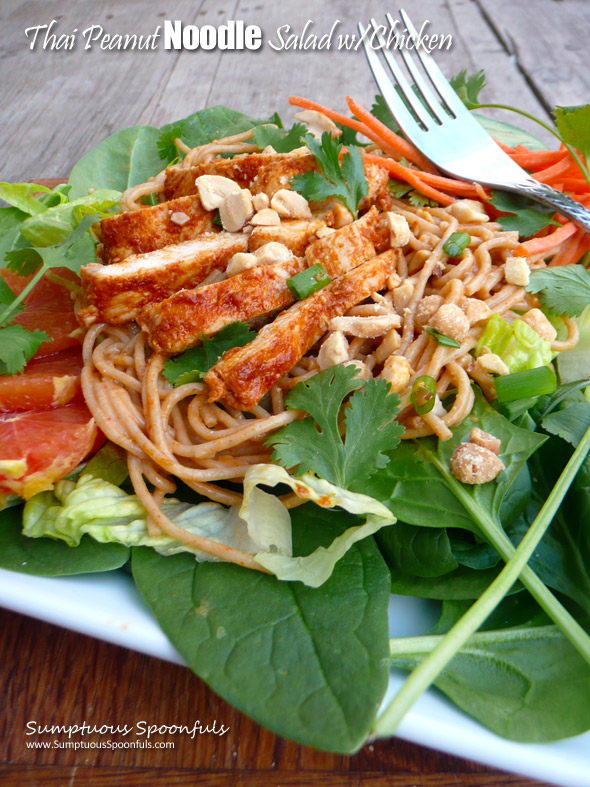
x=57, y=105
x=547, y=39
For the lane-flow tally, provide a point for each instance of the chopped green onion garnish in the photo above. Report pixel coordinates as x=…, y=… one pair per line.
x=423, y=394
x=217, y=219
x=456, y=243
x=308, y=281
x=531, y=382
x=445, y=341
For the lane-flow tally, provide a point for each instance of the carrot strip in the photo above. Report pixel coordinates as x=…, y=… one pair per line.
x=411, y=176
x=538, y=158
x=547, y=242
x=305, y=103
x=393, y=142
x=450, y=186
x=568, y=250
x=553, y=172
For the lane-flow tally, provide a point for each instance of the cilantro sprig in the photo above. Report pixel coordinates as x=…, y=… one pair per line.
x=572, y=124
x=562, y=291
x=192, y=365
x=524, y=216
x=315, y=444
x=342, y=177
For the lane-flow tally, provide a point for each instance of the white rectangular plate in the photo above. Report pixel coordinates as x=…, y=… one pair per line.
x=108, y=606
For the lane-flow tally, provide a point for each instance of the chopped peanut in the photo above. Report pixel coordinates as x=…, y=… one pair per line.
x=517, y=271
x=241, y=262
x=468, y=211
x=474, y=464
x=317, y=123
x=399, y=229
x=272, y=252
x=334, y=350
x=235, y=210
x=213, y=189
x=426, y=309
x=402, y=295
x=290, y=205
x=366, y=327
x=179, y=217
x=260, y=201
x=477, y=436
x=475, y=310
x=324, y=231
x=267, y=217
x=451, y=320
x=364, y=373
x=492, y=364
x=342, y=216
x=397, y=371
x=535, y=319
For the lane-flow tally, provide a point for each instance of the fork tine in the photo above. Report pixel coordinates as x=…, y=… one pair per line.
x=403, y=84
x=444, y=89
x=397, y=106
x=431, y=101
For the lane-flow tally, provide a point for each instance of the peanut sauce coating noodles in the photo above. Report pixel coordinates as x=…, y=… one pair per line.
x=394, y=293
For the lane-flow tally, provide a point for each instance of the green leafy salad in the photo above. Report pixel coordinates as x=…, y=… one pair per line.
x=305, y=648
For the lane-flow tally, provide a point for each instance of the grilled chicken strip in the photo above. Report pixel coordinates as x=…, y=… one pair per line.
x=148, y=229
x=266, y=172
x=244, y=374
x=178, y=322
x=116, y=293
x=347, y=247
x=295, y=234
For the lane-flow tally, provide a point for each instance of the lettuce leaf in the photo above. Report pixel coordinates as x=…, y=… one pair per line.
x=262, y=526
x=517, y=344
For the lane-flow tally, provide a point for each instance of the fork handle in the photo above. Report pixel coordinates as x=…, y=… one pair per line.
x=556, y=199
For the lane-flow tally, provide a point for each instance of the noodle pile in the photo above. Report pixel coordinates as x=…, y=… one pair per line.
x=175, y=433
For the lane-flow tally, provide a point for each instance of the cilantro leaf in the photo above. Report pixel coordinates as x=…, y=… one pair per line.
x=469, y=87
x=7, y=296
x=76, y=250
x=193, y=364
x=167, y=150
x=281, y=140
x=343, y=178
x=524, y=218
x=315, y=445
x=17, y=347
x=573, y=124
x=382, y=112
x=563, y=291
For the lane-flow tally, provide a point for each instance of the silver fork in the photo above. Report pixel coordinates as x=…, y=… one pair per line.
x=443, y=129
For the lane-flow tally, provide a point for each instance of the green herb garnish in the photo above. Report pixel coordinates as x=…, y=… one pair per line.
x=456, y=244
x=308, y=281
x=444, y=341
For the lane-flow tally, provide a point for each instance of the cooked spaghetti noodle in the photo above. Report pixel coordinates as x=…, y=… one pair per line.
x=176, y=433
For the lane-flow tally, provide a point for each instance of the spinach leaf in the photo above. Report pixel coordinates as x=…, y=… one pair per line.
x=124, y=159
x=418, y=551
x=526, y=684
x=416, y=491
x=202, y=127
x=461, y=584
x=45, y=557
x=309, y=664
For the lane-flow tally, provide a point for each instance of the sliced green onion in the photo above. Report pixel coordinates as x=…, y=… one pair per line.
x=308, y=281
x=443, y=340
x=521, y=385
x=423, y=394
x=456, y=243
x=217, y=219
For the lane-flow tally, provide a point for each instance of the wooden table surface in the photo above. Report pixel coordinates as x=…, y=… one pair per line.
x=58, y=104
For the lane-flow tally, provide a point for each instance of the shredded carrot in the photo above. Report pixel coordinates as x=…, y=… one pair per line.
x=552, y=173
x=533, y=159
x=457, y=187
x=386, y=137
x=305, y=103
x=412, y=176
x=547, y=242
